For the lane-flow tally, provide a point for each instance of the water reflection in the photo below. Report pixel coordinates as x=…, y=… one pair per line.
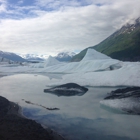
x=79, y=118
x=77, y=128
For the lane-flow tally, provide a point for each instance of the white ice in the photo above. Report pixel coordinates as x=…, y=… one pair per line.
x=94, y=55
x=95, y=69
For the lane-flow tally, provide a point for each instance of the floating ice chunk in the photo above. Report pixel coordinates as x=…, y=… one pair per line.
x=69, y=89
x=124, y=100
x=125, y=105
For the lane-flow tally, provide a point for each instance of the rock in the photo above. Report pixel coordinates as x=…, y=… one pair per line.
x=48, y=108
x=69, y=89
x=4, y=106
x=14, y=127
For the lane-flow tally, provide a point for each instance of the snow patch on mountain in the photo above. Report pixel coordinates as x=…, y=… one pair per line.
x=65, y=56
x=39, y=57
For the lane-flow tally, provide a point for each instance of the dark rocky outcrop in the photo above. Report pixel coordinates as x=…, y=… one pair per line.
x=13, y=126
x=69, y=89
x=4, y=106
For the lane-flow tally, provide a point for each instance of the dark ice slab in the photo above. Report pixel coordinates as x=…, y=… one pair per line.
x=69, y=89
x=124, y=93
x=128, y=98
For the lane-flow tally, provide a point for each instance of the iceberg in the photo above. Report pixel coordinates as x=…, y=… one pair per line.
x=94, y=55
x=127, y=75
x=126, y=100
x=93, y=61
x=49, y=62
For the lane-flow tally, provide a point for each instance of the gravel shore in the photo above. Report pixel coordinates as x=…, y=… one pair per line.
x=14, y=126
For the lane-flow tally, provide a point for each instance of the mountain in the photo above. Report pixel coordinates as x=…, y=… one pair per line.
x=4, y=60
x=11, y=56
x=34, y=57
x=124, y=44
x=65, y=56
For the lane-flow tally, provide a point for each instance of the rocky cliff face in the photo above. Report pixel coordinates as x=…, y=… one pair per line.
x=128, y=28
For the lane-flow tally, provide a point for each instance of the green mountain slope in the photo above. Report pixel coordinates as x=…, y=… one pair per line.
x=124, y=44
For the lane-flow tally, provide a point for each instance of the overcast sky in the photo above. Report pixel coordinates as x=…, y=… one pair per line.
x=52, y=26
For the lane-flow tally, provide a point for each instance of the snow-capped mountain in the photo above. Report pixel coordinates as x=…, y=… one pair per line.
x=11, y=56
x=34, y=57
x=128, y=28
x=65, y=56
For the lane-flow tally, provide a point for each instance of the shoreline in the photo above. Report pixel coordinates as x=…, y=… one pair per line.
x=56, y=135
x=14, y=125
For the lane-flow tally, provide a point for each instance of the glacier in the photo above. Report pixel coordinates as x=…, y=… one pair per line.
x=95, y=69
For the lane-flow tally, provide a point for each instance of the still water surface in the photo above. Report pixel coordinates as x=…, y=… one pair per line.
x=79, y=117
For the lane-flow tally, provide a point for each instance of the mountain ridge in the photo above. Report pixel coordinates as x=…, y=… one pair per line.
x=122, y=44
x=11, y=56
x=34, y=57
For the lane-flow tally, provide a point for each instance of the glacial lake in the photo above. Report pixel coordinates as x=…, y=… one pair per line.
x=78, y=117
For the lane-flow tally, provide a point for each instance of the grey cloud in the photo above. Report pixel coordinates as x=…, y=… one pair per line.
x=70, y=28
